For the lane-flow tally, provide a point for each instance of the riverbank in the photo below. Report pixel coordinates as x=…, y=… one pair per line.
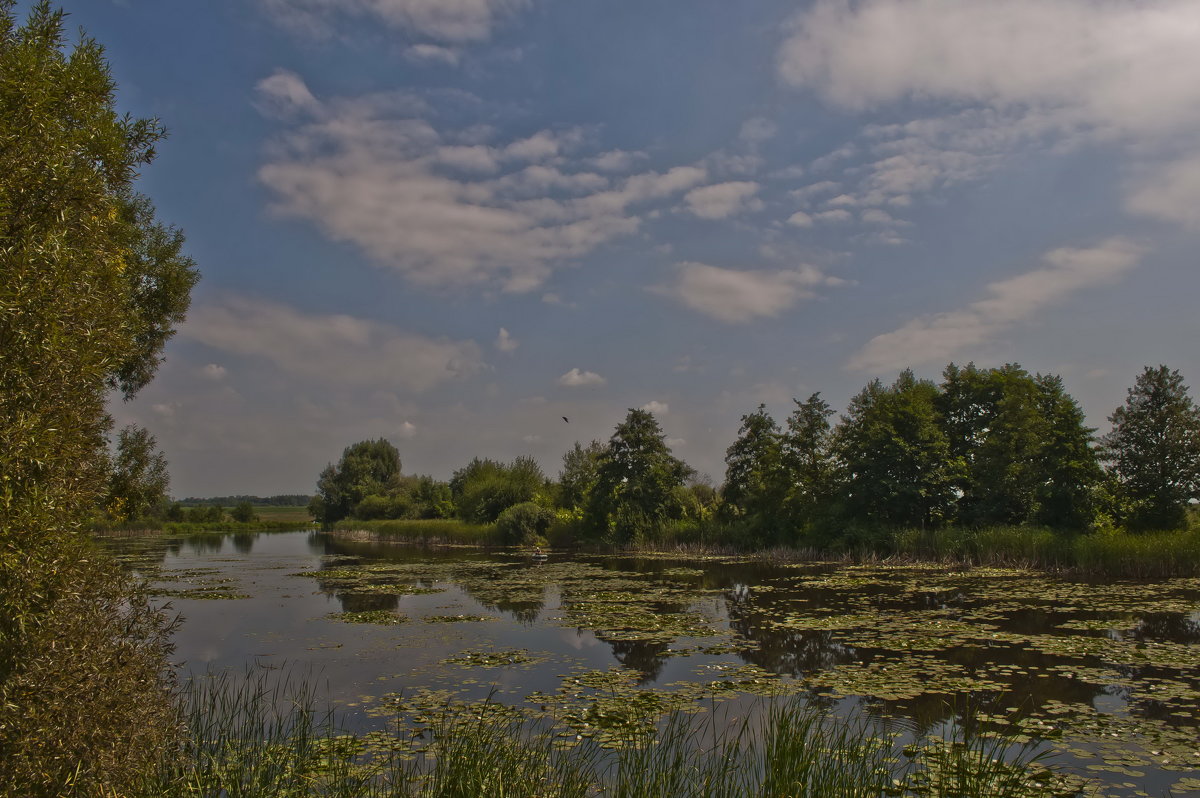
x=1110, y=553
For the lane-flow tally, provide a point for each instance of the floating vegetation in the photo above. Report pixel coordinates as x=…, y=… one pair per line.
x=457, y=618
x=493, y=659
x=377, y=617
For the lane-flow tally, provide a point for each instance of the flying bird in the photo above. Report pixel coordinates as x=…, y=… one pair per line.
x=564, y=418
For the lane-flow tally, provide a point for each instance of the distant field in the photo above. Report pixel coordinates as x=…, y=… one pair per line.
x=272, y=513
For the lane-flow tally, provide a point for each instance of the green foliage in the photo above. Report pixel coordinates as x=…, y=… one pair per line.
x=899, y=470
x=1154, y=450
x=366, y=468
x=808, y=459
x=243, y=513
x=525, y=523
x=92, y=288
x=578, y=476
x=756, y=482
x=424, y=531
x=138, y=482
x=485, y=488
x=636, y=481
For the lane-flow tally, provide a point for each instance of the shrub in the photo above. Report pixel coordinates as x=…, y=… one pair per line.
x=525, y=523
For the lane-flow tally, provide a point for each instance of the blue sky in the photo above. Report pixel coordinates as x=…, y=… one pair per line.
x=451, y=222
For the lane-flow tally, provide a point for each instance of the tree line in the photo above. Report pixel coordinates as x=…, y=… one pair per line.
x=995, y=446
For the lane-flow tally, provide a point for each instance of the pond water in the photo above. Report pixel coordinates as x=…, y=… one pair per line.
x=1106, y=674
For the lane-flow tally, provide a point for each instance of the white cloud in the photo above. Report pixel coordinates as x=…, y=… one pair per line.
x=1048, y=74
x=407, y=430
x=757, y=129
x=721, y=200
x=736, y=296
x=1170, y=192
x=800, y=219
x=284, y=93
x=616, y=160
x=332, y=348
x=372, y=172
x=656, y=407
x=432, y=53
x=576, y=379
x=939, y=337
x=214, y=371
x=505, y=342
x=835, y=216
x=447, y=20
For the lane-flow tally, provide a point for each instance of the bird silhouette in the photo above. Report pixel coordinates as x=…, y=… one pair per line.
x=564, y=418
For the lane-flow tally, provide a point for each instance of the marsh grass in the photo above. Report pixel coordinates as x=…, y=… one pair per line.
x=246, y=739
x=427, y=532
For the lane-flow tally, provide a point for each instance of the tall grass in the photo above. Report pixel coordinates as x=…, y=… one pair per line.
x=244, y=740
x=432, y=531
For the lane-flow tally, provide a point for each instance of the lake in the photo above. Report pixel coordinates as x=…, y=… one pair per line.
x=1104, y=675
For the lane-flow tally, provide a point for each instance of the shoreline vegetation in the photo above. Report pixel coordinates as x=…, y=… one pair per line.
x=251, y=738
x=1110, y=553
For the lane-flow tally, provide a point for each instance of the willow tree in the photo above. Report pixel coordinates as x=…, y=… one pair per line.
x=91, y=287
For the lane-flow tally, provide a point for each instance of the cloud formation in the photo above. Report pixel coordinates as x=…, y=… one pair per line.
x=736, y=296
x=578, y=379
x=442, y=209
x=506, y=343
x=336, y=348
x=939, y=337
x=721, y=200
x=445, y=20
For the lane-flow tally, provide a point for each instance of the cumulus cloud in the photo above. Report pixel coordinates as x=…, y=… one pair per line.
x=577, y=379
x=335, y=348
x=1170, y=192
x=722, y=199
x=214, y=371
x=439, y=206
x=446, y=20
x=432, y=54
x=284, y=93
x=1041, y=73
x=800, y=219
x=736, y=296
x=939, y=337
x=656, y=407
x=407, y=430
x=506, y=343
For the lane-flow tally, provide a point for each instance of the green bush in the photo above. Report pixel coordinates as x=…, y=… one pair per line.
x=525, y=523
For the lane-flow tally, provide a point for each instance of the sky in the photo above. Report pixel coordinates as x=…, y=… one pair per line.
x=450, y=223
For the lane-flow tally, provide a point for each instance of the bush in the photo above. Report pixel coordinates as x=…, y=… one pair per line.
x=525, y=523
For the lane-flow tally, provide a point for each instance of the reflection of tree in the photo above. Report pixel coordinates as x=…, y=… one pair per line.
x=780, y=650
x=1175, y=627
x=647, y=657
x=243, y=542
x=204, y=544
x=366, y=602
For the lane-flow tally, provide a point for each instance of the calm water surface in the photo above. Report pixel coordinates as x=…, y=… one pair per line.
x=1108, y=674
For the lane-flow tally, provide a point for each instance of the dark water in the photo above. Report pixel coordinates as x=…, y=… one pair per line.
x=1107, y=674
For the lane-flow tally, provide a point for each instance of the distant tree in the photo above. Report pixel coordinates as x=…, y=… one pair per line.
x=808, y=459
x=138, y=482
x=1154, y=450
x=366, y=468
x=756, y=483
x=898, y=467
x=578, y=474
x=243, y=512
x=526, y=523
x=636, y=481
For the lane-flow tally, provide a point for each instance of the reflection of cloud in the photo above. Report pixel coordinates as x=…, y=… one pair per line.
x=576, y=379
x=330, y=347
x=938, y=337
x=736, y=296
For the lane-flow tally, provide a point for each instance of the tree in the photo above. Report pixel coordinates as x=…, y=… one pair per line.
x=636, y=481
x=899, y=470
x=1154, y=450
x=243, y=512
x=91, y=287
x=138, y=483
x=578, y=474
x=756, y=483
x=1071, y=469
x=484, y=488
x=366, y=468
x=808, y=459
